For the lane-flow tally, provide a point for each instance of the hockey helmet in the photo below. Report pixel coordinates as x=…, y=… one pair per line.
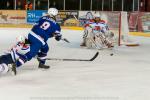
x=21, y=39
x=52, y=12
x=97, y=15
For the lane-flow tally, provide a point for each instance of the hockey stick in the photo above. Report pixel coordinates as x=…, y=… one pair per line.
x=64, y=39
x=13, y=69
x=96, y=54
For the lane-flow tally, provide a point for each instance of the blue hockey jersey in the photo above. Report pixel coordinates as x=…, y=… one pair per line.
x=45, y=27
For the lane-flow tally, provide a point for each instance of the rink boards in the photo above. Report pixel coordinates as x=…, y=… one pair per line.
x=145, y=34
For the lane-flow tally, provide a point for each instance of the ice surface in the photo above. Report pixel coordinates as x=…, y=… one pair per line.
x=123, y=76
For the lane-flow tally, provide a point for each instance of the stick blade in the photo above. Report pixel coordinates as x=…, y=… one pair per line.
x=66, y=40
x=95, y=56
x=97, y=53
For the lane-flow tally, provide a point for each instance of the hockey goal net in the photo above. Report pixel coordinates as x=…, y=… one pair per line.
x=118, y=24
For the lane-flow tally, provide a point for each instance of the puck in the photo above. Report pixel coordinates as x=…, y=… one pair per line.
x=111, y=54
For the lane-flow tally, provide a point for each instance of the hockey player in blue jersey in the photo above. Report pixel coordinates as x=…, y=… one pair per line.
x=37, y=38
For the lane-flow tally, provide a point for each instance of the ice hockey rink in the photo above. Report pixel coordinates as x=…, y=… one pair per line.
x=123, y=76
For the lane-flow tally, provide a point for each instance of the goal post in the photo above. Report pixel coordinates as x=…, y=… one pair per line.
x=118, y=23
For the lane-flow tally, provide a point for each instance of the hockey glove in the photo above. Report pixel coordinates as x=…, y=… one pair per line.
x=58, y=36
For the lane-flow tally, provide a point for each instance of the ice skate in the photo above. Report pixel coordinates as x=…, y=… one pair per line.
x=43, y=66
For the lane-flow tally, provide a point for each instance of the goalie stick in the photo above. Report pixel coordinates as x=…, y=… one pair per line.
x=95, y=56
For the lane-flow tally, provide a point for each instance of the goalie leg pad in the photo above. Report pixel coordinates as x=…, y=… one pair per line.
x=105, y=41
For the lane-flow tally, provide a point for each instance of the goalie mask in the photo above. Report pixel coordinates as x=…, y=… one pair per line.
x=97, y=18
